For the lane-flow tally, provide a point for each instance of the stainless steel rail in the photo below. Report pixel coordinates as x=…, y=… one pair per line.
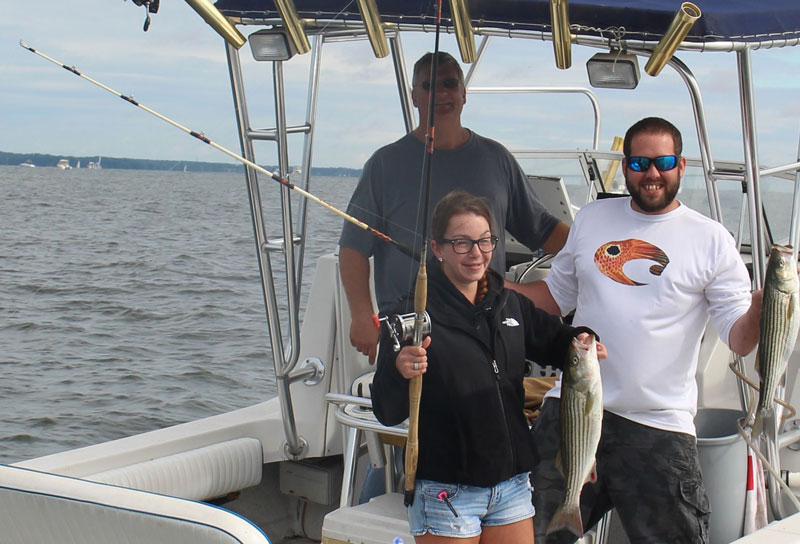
x=550, y=90
x=285, y=344
x=285, y=356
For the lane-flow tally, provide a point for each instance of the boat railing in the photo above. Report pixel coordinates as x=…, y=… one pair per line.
x=285, y=355
x=549, y=90
x=290, y=246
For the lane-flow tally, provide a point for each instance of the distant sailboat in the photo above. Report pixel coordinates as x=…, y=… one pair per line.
x=94, y=165
x=78, y=165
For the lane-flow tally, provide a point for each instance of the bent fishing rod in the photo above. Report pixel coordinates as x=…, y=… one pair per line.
x=200, y=136
x=421, y=285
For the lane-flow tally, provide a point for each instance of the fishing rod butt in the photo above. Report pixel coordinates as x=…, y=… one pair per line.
x=408, y=497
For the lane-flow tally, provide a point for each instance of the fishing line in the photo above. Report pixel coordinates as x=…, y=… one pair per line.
x=335, y=17
x=200, y=136
x=388, y=222
x=752, y=384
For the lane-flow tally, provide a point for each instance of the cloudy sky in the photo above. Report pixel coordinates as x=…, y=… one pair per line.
x=178, y=68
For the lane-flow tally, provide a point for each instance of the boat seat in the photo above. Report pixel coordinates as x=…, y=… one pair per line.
x=38, y=507
x=355, y=413
x=200, y=474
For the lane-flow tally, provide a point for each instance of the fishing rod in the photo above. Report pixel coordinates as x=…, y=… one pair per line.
x=421, y=286
x=200, y=136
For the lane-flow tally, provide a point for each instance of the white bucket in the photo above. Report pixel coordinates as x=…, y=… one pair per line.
x=723, y=461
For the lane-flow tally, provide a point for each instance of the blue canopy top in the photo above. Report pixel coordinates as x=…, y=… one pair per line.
x=776, y=22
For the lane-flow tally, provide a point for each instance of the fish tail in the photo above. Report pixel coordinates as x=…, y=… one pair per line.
x=764, y=416
x=568, y=518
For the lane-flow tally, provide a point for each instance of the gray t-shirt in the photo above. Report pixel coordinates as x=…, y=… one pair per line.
x=388, y=198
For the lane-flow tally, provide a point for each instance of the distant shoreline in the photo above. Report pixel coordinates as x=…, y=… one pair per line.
x=45, y=160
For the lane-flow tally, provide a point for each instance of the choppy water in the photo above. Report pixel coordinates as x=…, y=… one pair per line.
x=130, y=301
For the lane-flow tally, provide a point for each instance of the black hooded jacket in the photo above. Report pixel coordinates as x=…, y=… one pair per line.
x=472, y=429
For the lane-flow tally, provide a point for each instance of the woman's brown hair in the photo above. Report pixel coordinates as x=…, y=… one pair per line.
x=456, y=203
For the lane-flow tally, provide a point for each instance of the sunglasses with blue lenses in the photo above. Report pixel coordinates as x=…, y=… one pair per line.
x=642, y=164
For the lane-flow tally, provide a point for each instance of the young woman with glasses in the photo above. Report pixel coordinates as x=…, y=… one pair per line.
x=474, y=445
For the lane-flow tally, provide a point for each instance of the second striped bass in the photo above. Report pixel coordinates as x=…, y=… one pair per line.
x=581, y=423
x=780, y=317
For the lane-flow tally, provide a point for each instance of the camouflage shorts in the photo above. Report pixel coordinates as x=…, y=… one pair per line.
x=652, y=478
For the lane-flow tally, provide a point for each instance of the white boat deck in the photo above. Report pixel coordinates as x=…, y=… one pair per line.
x=778, y=532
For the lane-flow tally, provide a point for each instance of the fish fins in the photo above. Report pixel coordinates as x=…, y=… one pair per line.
x=569, y=519
x=763, y=417
x=589, y=405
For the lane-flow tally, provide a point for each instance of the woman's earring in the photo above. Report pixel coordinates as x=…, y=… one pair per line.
x=441, y=260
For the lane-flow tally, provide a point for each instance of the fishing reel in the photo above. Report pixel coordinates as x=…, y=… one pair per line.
x=401, y=327
x=150, y=6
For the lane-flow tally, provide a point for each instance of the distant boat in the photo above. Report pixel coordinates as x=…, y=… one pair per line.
x=28, y=163
x=63, y=164
x=94, y=165
x=78, y=165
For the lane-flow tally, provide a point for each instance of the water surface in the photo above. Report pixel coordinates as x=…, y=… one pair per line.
x=131, y=300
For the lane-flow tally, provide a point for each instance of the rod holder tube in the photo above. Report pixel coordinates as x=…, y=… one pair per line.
x=465, y=35
x=562, y=39
x=375, y=32
x=683, y=21
x=293, y=25
x=218, y=22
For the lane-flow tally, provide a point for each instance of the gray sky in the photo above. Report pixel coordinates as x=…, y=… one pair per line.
x=178, y=68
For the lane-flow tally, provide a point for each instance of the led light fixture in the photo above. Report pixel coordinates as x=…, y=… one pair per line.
x=271, y=45
x=615, y=70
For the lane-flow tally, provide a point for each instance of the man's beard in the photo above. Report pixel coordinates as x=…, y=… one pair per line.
x=670, y=192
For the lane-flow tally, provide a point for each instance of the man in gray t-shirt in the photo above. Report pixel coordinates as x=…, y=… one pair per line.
x=388, y=198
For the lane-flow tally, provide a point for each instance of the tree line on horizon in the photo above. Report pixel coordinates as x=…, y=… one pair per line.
x=45, y=160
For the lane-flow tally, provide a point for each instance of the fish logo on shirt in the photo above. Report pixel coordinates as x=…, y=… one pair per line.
x=612, y=256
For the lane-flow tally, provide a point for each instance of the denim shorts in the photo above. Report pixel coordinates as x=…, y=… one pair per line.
x=650, y=476
x=502, y=504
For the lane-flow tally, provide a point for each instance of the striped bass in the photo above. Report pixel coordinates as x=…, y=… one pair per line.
x=581, y=423
x=780, y=317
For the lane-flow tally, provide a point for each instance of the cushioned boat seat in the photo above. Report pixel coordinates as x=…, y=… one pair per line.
x=200, y=474
x=37, y=507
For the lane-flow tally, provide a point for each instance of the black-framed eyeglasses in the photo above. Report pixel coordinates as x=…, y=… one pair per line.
x=642, y=164
x=464, y=245
x=447, y=83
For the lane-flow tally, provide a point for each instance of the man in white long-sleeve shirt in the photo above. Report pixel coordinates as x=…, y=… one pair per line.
x=646, y=273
